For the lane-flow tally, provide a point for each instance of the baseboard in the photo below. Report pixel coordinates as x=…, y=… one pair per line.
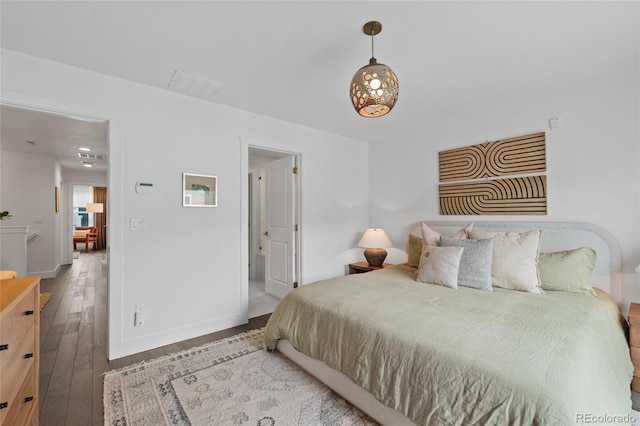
x=156, y=340
x=45, y=274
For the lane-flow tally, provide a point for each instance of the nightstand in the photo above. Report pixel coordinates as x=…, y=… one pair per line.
x=634, y=344
x=361, y=267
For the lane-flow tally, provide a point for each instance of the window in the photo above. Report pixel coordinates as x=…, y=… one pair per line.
x=81, y=196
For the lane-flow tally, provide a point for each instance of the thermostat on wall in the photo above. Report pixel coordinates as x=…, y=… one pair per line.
x=146, y=188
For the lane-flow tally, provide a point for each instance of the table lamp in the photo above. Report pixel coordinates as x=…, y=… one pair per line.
x=95, y=207
x=373, y=242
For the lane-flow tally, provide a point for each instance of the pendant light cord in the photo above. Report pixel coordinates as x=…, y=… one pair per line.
x=372, y=31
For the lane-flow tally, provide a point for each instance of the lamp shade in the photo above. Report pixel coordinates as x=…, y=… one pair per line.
x=95, y=207
x=374, y=89
x=374, y=238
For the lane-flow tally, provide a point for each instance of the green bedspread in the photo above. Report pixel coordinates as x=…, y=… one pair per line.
x=444, y=356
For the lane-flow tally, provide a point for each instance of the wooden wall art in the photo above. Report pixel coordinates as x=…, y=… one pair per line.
x=506, y=157
x=509, y=196
x=490, y=161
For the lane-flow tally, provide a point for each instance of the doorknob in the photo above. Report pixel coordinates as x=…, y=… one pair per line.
x=265, y=233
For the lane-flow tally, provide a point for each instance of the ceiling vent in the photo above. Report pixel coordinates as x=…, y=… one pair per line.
x=91, y=156
x=192, y=85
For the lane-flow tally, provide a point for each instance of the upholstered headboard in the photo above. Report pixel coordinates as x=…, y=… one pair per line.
x=556, y=236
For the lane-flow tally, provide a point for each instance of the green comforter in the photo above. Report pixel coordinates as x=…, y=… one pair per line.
x=444, y=356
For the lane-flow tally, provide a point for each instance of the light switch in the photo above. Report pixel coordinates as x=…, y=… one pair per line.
x=137, y=224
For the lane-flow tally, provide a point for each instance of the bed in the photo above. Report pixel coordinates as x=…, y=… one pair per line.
x=408, y=352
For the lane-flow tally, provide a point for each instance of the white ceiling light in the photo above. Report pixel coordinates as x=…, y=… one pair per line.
x=87, y=163
x=84, y=149
x=91, y=156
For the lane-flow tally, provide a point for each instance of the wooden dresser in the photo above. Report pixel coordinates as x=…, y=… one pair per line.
x=19, y=351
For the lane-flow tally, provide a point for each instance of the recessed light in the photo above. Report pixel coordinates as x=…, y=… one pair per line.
x=91, y=156
x=87, y=163
x=32, y=143
x=84, y=149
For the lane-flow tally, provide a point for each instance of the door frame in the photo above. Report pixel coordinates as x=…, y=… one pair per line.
x=247, y=142
x=115, y=262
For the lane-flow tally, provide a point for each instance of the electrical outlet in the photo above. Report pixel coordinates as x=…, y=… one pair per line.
x=139, y=315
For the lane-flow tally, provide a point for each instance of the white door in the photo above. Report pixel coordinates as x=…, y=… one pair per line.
x=280, y=216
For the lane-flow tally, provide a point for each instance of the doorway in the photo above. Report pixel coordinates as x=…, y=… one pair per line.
x=58, y=129
x=273, y=243
x=88, y=218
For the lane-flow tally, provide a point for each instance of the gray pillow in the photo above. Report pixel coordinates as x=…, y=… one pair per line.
x=475, y=264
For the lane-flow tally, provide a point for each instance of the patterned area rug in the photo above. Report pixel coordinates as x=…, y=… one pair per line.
x=228, y=382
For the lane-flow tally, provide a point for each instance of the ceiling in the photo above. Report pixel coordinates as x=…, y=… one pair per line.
x=293, y=60
x=44, y=133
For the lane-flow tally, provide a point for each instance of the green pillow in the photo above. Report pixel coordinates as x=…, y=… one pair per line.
x=414, y=250
x=568, y=270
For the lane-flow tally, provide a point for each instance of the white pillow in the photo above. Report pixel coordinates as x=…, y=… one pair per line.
x=439, y=265
x=432, y=238
x=515, y=259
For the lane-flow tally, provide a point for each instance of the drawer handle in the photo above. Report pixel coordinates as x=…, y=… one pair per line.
x=28, y=313
x=29, y=398
x=3, y=405
x=28, y=355
x=4, y=347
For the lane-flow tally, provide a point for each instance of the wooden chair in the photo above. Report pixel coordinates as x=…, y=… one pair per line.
x=86, y=235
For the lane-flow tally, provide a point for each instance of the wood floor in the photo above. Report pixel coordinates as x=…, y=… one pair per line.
x=73, y=353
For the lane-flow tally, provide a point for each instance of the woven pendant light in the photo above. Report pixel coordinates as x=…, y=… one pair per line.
x=374, y=87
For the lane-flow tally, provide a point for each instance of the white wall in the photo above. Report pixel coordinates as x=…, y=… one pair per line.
x=189, y=267
x=593, y=163
x=28, y=182
x=84, y=177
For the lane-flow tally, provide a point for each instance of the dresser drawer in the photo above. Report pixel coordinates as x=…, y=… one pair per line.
x=25, y=402
x=14, y=365
x=17, y=321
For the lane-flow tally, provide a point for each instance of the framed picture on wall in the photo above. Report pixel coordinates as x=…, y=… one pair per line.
x=57, y=199
x=199, y=190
